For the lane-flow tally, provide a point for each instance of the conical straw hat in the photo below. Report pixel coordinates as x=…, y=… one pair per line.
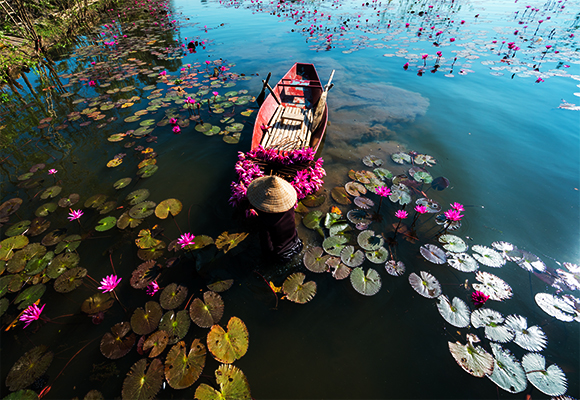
x=271, y=194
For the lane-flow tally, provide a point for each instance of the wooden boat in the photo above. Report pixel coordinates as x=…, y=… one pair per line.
x=294, y=115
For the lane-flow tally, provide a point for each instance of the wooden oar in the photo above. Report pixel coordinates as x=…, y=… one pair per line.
x=321, y=105
x=262, y=95
x=273, y=94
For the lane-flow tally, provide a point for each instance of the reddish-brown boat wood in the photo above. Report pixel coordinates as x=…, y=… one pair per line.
x=300, y=87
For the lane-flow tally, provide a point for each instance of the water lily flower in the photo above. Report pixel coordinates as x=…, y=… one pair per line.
x=424, y=56
x=176, y=129
x=406, y=65
x=421, y=209
x=457, y=206
x=453, y=215
x=172, y=121
x=92, y=83
x=52, y=171
x=152, y=288
x=109, y=283
x=383, y=191
x=186, y=239
x=479, y=298
x=189, y=100
x=208, y=62
x=401, y=214
x=452, y=39
x=32, y=313
x=75, y=214
x=215, y=93
x=163, y=73
x=539, y=80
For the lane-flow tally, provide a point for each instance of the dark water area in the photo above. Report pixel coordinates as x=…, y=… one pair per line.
x=501, y=123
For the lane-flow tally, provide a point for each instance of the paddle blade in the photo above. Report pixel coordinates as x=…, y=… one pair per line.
x=262, y=95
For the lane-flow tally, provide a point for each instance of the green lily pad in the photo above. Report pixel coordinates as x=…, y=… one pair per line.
x=105, y=224
x=9, y=207
x=22, y=257
x=208, y=312
x=331, y=219
x=45, y=209
x=508, y=373
x=142, y=131
x=399, y=194
x=551, y=380
x=401, y=158
x=315, y=260
x=95, y=201
x=147, y=171
x=473, y=359
x=147, y=122
x=54, y=237
x=334, y=245
x=220, y=286
x=152, y=253
x=172, y=296
x=340, y=229
x=121, y=183
x=423, y=176
x=298, y=291
x=125, y=220
x=366, y=284
x=8, y=245
x=18, y=228
x=97, y=303
x=227, y=241
x=67, y=202
x=28, y=368
x=107, y=207
x=37, y=264
x=383, y=174
x=226, y=347
x=142, y=210
x=181, y=369
x=453, y=243
x=156, y=343
x=69, y=243
x=377, y=256
x=340, y=195
x=313, y=219
x=233, y=385
x=201, y=241
x=142, y=383
x=70, y=280
x=235, y=127
x=145, y=321
x=352, y=258
x=233, y=138
x=175, y=324
x=313, y=200
x=137, y=196
x=51, y=192
x=38, y=226
x=119, y=342
x=369, y=241
x=203, y=127
x=168, y=206
x=426, y=285
x=29, y=296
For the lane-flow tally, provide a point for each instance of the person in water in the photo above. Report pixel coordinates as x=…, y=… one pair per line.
x=274, y=199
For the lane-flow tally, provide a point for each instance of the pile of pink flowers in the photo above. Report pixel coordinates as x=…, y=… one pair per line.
x=307, y=181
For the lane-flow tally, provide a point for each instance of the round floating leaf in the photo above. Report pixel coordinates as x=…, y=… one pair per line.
x=440, y=183
x=508, y=373
x=313, y=219
x=143, y=275
x=183, y=368
x=121, y=183
x=473, y=359
x=383, y=174
x=555, y=307
x=97, y=303
x=54, y=237
x=175, y=324
x=168, y=206
x=208, y=312
x=531, y=262
x=367, y=284
x=38, y=226
x=334, y=245
x=142, y=210
x=453, y=243
x=423, y=176
x=551, y=381
x=401, y=158
x=431, y=205
x=487, y=256
x=38, y=263
x=142, y=383
x=28, y=368
x=227, y=241
x=492, y=286
x=9, y=207
x=220, y=286
x=203, y=127
x=433, y=254
x=355, y=189
x=145, y=321
x=45, y=209
x=137, y=196
x=456, y=312
x=298, y=291
x=486, y=316
x=340, y=196
x=363, y=202
x=172, y=296
x=201, y=241
x=530, y=338
x=315, y=260
x=146, y=240
x=313, y=200
x=499, y=333
x=69, y=201
x=400, y=196
x=29, y=296
x=125, y=220
x=51, y=192
x=426, y=284
x=359, y=217
x=395, y=268
x=369, y=241
x=233, y=386
x=70, y=280
x=352, y=258
x=372, y=161
x=147, y=171
x=377, y=256
x=462, y=262
x=509, y=251
x=226, y=347
x=340, y=229
x=69, y=243
x=331, y=219
x=18, y=228
x=22, y=257
x=156, y=343
x=95, y=201
x=106, y=223
x=152, y=253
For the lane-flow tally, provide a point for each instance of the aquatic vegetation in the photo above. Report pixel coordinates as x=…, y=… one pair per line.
x=32, y=313
x=109, y=283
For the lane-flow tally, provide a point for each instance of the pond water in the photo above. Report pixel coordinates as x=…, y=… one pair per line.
x=500, y=119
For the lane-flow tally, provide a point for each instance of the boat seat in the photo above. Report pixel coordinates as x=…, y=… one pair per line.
x=289, y=129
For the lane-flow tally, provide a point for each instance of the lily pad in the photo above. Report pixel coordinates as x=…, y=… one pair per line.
x=70, y=280
x=121, y=183
x=37, y=264
x=487, y=256
x=383, y=174
x=334, y=245
x=172, y=296
x=28, y=368
x=142, y=210
x=183, y=368
x=201, y=241
x=340, y=195
x=462, y=262
x=473, y=359
x=203, y=127
x=401, y=158
x=10, y=206
x=367, y=284
x=97, y=303
x=125, y=220
x=359, y=217
x=377, y=256
x=315, y=260
x=61, y=263
x=220, y=286
x=95, y=201
x=352, y=258
x=555, y=307
x=369, y=241
x=29, y=296
x=69, y=243
x=298, y=291
x=355, y=189
x=54, y=237
x=530, y=338
x=146, y=240
x=227, y=241
x=145, y=321
x=313, y=219
x=453, y=243
x=156, y=343
x=147, y=171
x=340, y=229
x=531, y=262
x=363, y=202
x=207, y=312
x=433, y=254
x=372, y=161
x=67, y=202
x=493, y=286
x=142, y=383
x=226, y=347
x=175, y=324
x=137, y=196
x=486, y=316
x=426, y=284
x=551, y=381
x=431, y=205
x=152, y=253
x=38, y=226
x=313, y=200
x=395, y=268
x=508, y=373
x=233, y=385
x=18, y=228
x=456, y=312
x=106, y=223
x=45, y=209
x=166, y=207
x=51, y=192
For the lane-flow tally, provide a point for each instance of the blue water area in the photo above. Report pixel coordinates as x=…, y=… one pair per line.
x=496, y=109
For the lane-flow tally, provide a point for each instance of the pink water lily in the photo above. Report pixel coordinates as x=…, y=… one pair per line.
x=479, y=298
x=215, y=93
x=383, y=191
x=401, y=214
x=186, y=239
x=52, y=171
x=32, y=313
x=172, y=121
x=421, y=209
x=453, y=215
x=176, y=129
x=75, y=214
x=92, y=83
x=152, y=288
x=457, y=206
x=109, y=283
